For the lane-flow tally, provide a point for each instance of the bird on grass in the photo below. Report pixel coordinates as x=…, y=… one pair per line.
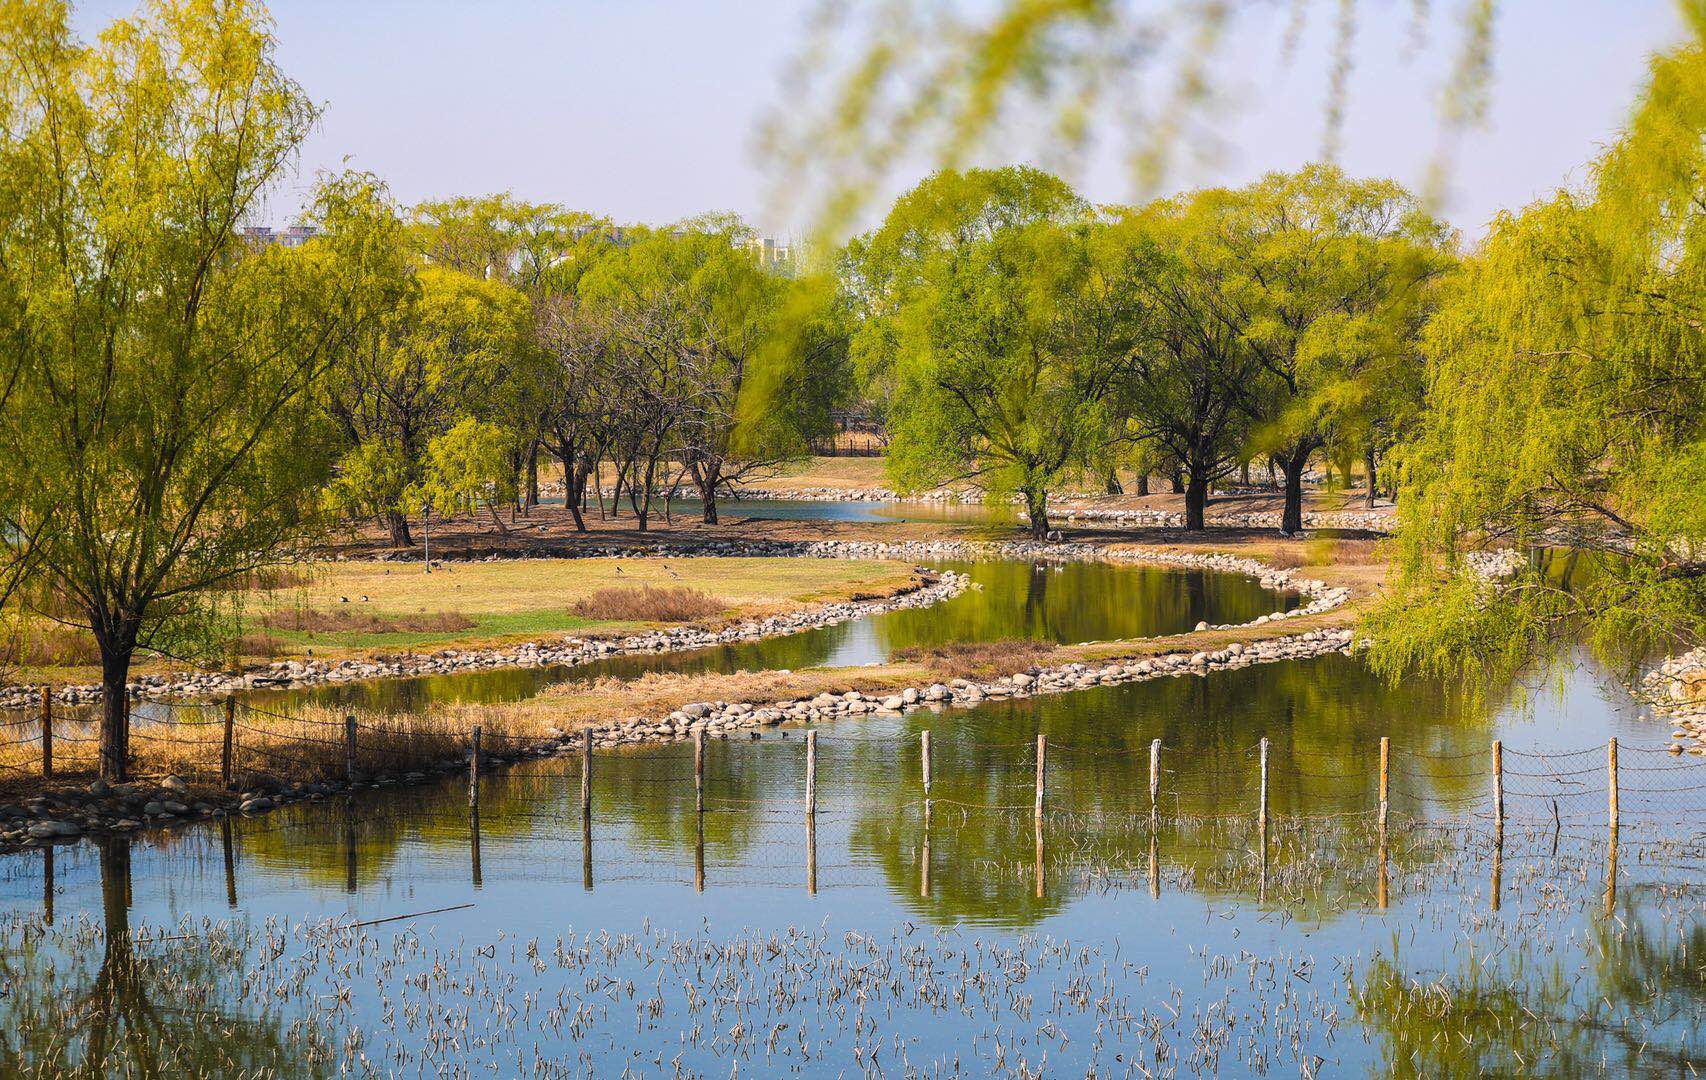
x=618, y=569
x=670, y=572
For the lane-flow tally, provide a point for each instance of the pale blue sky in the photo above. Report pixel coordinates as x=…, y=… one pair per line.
x=645, y=110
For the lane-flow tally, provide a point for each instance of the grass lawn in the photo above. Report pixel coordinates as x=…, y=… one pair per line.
x=351, y=606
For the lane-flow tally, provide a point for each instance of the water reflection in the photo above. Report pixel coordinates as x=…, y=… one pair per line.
x=1065, y=603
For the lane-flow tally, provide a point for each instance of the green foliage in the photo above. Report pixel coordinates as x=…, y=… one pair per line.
x=1567, y=404
x=156, y=370
x=465, y=466
x=989, y=331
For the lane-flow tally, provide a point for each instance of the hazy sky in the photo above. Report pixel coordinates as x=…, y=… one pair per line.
x=645, y=110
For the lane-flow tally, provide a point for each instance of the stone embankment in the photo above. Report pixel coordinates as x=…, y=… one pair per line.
x=1677, y=691
x=938, y=586
x=65, y=815
x=934, y=587
x=1359, y=520
x=62, y=816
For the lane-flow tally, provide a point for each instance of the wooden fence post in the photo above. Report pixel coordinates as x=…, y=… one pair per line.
x=811, y=773
x=924, y=760
x=474, y=768
x=586, y=775
x=225, y=772
x=349, y=749
x=1154, y=781
x=1499, y=785
x=46, y=732
x=1262, y=807
x=699, y=769
x=1385, y=762
x=1042, y=764
x=1611, y=780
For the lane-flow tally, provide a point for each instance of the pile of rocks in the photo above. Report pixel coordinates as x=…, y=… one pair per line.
x=932, y=587
x=1677, y=691
x=723, y=718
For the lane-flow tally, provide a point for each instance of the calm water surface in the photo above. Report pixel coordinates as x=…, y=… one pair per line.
x=1063, y=602
x=967, y=939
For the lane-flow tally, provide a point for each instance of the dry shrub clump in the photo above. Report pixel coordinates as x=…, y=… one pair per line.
x=37, y=644
x=678, y=603
x=1326, y=551
x=347, y=621
x=982, y=659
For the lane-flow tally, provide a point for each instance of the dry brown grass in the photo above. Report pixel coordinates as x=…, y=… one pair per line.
x=342, y=620
x=308, y=746
x=33, y=644
x=980, y=660
x=676, y=603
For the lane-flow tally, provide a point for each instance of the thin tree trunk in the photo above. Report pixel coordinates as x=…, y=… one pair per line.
x=1143, y=484
x=1178, y=482
x=1369, y=463
x=532, y=498
x=1114, y=487
x=492, y=507
x=1036, y=508
x=1291, y=519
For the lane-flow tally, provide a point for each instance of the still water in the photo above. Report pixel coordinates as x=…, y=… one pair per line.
x=730, y=510
x=956, y=935
x=1064, y=602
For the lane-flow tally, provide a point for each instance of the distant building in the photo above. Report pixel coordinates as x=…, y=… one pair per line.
x=772, y=253
x=293, y=237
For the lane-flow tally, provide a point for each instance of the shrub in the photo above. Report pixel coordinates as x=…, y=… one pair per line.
x=979, y=660
x=677, y=603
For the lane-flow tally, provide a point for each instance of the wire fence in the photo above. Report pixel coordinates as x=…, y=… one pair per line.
x=232, y=742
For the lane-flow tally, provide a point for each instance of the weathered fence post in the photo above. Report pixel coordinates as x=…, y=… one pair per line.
x=1042, y=765
x=46, y=732
x=349, y=749
x=1385, y=761
x=699, y=770
x=1499, y=785
x=586, y=776
x=924, y=760
x=1611, y=781
x=811, y=775
x=474, y=768
x=1154, y=781
x=1262, y=806
x=225, y=773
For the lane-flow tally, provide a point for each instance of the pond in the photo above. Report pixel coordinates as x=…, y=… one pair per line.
x=1064, y=602
x=959, y=935
x=731, y=510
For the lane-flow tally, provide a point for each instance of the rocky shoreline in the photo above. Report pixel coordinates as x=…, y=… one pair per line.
x=937, y=586
x=65, y=815
x=1676, y=689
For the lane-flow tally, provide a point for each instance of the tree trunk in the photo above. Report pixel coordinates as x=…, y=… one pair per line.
x=1368, y=462
x=706, y=481
x=1244, y=473
x=1036, y=506
x=532, y=498
x=1291, y=519
x=116, y=652
x=398, y=523
x=1143, y=484
x=1179, y=482
x=1196, y=502
x=1114, y=487
x=496, y=520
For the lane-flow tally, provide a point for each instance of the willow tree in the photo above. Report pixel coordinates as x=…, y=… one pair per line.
x=1325, y=279
x=156, y=368
x=988, y=332
x=1567, y=404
